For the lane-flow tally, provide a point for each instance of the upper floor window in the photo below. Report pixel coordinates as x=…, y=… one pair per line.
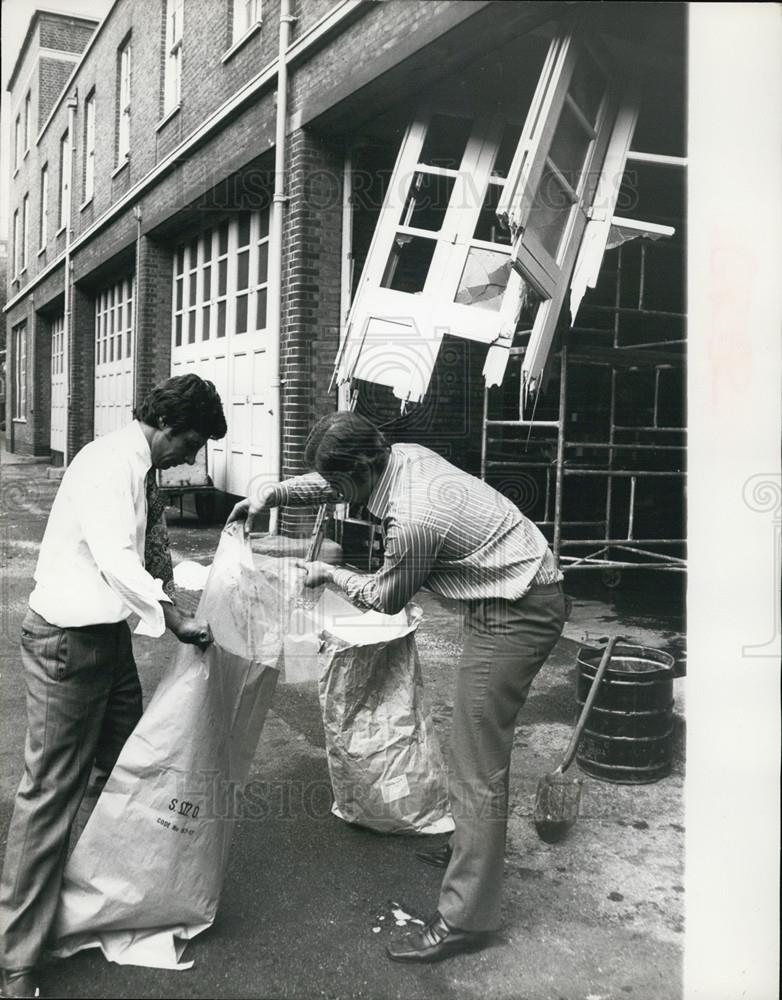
x=123, y=104
x=246, y=13
x=15, y=244
x=173, y=78
x=25, y=228
x=17, y=141
x=65, y=179
x=44, y=234
x=28, y=121
x=89, y=147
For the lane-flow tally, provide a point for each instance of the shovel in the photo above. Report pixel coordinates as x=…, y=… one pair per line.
x=557, y=798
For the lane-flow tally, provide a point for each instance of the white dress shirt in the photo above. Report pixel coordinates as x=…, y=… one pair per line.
x=91, y=565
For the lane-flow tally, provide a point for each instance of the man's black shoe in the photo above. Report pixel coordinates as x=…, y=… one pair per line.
x=438, y=858
x=18, y=983
x=435, y=941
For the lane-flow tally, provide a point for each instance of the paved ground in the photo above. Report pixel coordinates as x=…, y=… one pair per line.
x=597, y=917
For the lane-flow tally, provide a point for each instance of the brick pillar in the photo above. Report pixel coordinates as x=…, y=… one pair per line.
x=81, y=414
x=311, y=269
x=153, y=316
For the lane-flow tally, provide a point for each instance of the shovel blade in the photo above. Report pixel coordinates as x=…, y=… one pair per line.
x=556, y=806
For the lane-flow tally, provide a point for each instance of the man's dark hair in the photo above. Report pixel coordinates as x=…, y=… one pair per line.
x=342, y=443
x=185, y=403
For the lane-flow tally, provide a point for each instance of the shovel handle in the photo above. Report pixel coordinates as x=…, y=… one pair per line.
x=316, y=540
x=570, y=753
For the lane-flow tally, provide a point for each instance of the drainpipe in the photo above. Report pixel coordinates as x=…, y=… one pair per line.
x=66, y=334
x=275, y=261
x=136, y=304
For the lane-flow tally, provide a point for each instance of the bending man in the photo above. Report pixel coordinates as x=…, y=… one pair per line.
x=83, y=692
x=454, y=534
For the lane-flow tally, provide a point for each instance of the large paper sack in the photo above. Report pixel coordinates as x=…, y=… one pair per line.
x=387, y=771
x=147, y=872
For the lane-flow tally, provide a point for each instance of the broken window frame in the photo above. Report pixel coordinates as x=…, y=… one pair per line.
x=418, y=321
x=433, y=312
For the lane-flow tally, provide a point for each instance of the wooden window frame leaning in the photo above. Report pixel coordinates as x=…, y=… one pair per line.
x=392, y=336
x=410, y=327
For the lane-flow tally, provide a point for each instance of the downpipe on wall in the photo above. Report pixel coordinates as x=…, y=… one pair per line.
x=68, y=306
x=279, y=200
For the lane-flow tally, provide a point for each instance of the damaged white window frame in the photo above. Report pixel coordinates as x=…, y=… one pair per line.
x=551, y=274
x=393, y=337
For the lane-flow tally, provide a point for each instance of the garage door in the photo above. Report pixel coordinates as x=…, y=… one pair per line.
x=114, y=357
x=219, y=331
x=59, y=421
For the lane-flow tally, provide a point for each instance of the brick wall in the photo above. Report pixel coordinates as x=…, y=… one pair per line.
x=64, y=34
x=53, y=75
x=311, y=299
x=82, y=408
x=153, y=317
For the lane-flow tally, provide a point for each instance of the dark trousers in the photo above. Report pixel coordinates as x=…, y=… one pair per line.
x=83, y=701
x=506, y=644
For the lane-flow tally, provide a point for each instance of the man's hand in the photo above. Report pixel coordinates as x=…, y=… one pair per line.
x=185, y=627
x=197, y=633
x=317, y=573
x=247, y=510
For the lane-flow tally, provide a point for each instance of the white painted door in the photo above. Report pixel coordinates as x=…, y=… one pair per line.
x=59, y=416
x=114, y=357
x=219, y=332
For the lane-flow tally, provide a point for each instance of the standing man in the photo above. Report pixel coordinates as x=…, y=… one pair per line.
x=83, y=691
x=460, y=538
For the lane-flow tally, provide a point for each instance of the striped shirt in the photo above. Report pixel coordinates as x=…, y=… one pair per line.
x=443, y=529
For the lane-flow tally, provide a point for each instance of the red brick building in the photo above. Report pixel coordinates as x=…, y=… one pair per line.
x=414, y=190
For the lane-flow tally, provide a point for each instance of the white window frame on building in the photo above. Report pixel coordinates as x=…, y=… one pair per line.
x=65, y=181
x=173, y=72
x=219, y=331
x=17, y=141
x=25, y=232
x=44, y=220
x=28, y=121
x=114, y=355
x=58, y=425
x=15, y=244
x=123, y=108
x=89, y=147
x=246, y=16
x=19, y=338
x=392, y=336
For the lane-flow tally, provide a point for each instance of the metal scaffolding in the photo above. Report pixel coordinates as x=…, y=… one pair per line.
x=603, y=475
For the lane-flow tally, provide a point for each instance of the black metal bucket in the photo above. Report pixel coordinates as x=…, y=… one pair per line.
x=628, y=737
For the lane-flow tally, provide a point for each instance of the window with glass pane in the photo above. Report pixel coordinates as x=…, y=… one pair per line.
x=123, y=110
x=89, y=147
x=44, y=221
x=65, y=180
x=246, y=13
